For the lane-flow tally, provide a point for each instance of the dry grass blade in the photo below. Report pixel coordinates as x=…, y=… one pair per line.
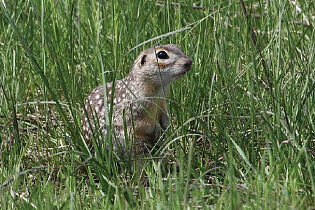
x=160, y=37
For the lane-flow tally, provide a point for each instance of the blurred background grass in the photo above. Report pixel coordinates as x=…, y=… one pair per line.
x=234, y=142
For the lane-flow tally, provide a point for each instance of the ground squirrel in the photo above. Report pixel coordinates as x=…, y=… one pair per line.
x=139, y=107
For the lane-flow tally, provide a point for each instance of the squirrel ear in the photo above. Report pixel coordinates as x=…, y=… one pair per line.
x=143, y=60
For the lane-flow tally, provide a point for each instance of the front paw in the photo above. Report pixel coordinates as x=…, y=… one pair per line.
x=164, y=122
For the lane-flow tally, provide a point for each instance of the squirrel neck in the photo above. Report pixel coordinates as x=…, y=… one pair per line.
x=141, y=88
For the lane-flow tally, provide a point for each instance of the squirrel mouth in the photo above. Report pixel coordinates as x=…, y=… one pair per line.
x=186, y=68
x=182, y=72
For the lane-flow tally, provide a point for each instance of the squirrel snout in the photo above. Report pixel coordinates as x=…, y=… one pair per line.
x=188, y=63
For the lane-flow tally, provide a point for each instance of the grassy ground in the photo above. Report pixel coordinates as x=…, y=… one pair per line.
x=242, y=133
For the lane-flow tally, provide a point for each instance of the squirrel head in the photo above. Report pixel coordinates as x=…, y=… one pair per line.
x=161, y=65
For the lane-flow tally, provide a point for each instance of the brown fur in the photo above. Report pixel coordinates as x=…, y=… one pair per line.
x=141, y=96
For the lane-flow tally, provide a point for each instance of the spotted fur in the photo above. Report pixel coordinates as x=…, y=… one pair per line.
x=138, y=100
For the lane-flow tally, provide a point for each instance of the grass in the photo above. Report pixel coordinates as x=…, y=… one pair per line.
x=234, y=141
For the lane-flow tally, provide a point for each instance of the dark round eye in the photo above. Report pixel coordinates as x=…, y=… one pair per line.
x=162, y=55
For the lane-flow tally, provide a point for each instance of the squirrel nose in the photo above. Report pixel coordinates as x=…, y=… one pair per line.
x=188, y=63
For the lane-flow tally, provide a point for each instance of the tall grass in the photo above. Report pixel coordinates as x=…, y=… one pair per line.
x=234, y=142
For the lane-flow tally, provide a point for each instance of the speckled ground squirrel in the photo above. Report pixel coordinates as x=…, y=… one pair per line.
x=139, y=99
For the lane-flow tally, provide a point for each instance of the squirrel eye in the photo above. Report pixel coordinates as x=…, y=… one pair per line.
x=162, y=55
